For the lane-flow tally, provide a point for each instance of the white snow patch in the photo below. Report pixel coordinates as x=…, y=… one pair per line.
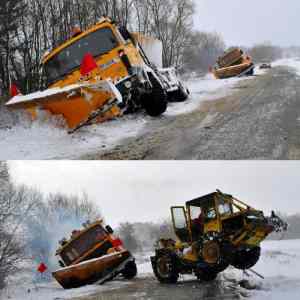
x=203, y=89
x=280, y=265
x=42, y=140
x=289, y=62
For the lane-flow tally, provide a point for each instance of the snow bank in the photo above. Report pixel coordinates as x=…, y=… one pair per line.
x=42, y=140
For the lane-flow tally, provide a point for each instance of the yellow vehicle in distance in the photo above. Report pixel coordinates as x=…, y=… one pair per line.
x=233, y=63
x=99, y=74
x=93, y=255
x=213, y=231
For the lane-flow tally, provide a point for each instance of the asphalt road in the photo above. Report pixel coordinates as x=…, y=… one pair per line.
x=148, y=288
x=259, y=120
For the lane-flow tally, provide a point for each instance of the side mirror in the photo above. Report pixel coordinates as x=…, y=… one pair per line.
x=109, y=229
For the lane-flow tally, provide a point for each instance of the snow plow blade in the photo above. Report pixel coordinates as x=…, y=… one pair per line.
x=94, y=271
x=79, y=104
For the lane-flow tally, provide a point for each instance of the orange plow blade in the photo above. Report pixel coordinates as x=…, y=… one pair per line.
x=92, y=271
x=79, y=104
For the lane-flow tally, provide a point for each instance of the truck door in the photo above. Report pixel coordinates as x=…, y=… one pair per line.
x=180, y=223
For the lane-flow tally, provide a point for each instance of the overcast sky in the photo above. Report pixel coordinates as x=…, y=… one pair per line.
x=249, y=22
x=144, y=191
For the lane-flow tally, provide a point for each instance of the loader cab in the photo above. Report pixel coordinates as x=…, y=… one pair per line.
x=215, y=212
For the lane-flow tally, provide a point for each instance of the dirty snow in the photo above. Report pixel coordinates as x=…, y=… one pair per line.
x=43, y=140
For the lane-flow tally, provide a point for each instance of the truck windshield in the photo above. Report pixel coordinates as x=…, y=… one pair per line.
x=97, y=43
x=83, y=244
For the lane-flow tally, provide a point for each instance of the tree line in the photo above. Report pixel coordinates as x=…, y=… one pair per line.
x=30, y=28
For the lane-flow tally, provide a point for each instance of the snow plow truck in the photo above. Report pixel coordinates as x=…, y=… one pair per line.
x=233, y=63
x=213, y=232
x=93, y=255
x=99, y=74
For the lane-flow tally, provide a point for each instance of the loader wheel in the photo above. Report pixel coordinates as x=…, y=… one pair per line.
x=155, y=103
x=164, y=268
x=244, y=259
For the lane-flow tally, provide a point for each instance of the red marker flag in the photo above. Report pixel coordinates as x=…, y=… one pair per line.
x=42, y=268
x=117, y=243
x=88, y=64
x=14, y=91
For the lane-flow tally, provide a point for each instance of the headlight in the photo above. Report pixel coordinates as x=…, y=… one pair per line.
x=128, y=84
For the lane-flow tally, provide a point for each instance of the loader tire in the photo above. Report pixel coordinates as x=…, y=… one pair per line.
x=164, y=268
x=155, y=103
x=244, y=259
x=130, y=270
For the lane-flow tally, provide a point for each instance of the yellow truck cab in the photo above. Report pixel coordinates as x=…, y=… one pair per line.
x=93, y=255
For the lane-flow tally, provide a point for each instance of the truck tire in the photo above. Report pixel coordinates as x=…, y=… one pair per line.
x=155, y=103
x=244, y=259
x=164, y=268
x=130, y=270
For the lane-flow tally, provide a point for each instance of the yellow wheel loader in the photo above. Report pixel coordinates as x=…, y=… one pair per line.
x=99, y=74
x=213, y=231
x=93, y=255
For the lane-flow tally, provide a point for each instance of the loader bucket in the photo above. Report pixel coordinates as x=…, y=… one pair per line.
x=76, y=103
x=92, y=271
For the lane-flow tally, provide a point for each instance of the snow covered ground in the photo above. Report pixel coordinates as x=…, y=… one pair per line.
x=42, y=140
x=293, y=63
x=279, y=264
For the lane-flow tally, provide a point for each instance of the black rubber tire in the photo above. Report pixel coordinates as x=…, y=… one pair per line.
x=130, y=270
x=169, y=277
x=207, y=275
x=156, y=102
x=244, y=260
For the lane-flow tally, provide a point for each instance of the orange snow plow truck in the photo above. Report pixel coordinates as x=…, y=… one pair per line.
x=100, y=74
x=93, y=255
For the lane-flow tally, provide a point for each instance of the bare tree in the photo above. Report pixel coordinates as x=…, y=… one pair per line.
x=202, y=51
x=15, y=206
x=265, y=53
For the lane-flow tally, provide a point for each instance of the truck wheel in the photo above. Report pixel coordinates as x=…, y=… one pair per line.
x=130, y=270
x=155, y=103
x=244, y=259
x=164, y=268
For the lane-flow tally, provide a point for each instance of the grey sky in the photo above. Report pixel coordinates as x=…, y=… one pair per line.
x=249, y=22
x=144, y=191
